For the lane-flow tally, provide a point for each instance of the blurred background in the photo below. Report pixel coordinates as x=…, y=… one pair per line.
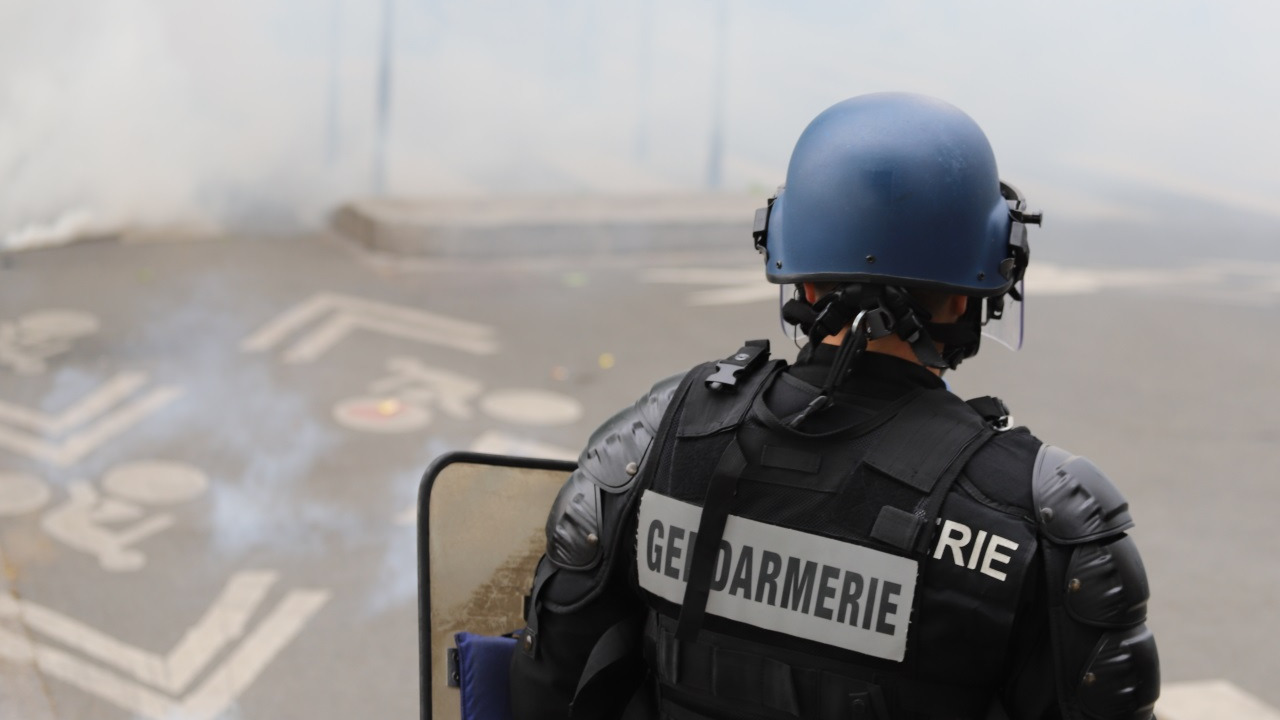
x=261, y=262
x=265, y=115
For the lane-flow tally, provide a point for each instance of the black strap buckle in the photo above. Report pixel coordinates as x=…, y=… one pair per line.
x=993, y=411
x=739, y=365
x=453, y=668
x=760, y=228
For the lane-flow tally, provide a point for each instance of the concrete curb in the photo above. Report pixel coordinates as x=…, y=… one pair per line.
x=553, y=224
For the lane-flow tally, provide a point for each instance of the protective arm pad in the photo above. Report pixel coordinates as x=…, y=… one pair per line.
x=580, y=526
x=1077, y=503
x=1105, y=657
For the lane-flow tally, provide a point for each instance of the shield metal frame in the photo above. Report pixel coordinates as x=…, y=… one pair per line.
x=542, y=479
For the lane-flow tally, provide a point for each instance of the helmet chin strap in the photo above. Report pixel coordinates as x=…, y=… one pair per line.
x=960, y=339
x=871, y=312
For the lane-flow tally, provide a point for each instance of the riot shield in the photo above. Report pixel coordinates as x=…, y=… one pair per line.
x=481, y=530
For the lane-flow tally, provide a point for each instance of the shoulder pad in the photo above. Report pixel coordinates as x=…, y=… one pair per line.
x=1108, y=585
x=609, y=464
x=614, y=451
x=1076, y=503
x=573, y=527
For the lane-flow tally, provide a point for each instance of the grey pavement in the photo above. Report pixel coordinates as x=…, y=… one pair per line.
x=204, y=485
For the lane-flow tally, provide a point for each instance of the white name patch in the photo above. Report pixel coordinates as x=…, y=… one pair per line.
x=783, y=580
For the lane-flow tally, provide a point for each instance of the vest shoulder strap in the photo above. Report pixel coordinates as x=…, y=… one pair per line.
x=924, y=439
x=925, y=447
x=721, y=394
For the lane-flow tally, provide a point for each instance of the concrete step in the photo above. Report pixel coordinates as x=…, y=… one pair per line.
x=549, y=224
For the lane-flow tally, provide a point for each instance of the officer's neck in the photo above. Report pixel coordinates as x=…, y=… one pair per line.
x=888, y=345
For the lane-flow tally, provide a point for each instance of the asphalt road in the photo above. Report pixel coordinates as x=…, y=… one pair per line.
x=209, y=451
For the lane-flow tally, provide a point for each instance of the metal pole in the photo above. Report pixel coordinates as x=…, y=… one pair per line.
x=383, y=110
x=715, y=151
x=646, y=72
x=335, y=64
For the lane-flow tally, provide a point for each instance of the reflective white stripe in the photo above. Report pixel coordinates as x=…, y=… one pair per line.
x=783, y=580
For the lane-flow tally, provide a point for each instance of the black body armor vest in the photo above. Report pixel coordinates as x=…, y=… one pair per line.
x=823, y=576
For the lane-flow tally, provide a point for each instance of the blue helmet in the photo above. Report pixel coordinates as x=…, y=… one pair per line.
x=895, y=189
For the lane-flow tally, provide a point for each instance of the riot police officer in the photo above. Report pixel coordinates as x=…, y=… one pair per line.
x=843, y=537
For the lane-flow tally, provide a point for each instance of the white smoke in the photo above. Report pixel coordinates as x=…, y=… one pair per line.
x=262, y=115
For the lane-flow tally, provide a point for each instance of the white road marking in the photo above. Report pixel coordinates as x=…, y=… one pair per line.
x=737, y=287
x=422, y=385
x=28, y=342
x=15, y=648
x=155, y=482
x=1047, y=279
x=499, y=443
x=409, y=396
x=405, y=399
x=531, y=407
x=223, y=623
x=106, y=427
x=126, y=694
x=252, y=656
x=703, y=276
x=1211, y=700
x=1221, y=280
x=22, y=690
x=117, y=422
x=380, y=414
x=110, y=394
x=346, y=314
x=21, y=493
x=81, y=522
x=735, y=295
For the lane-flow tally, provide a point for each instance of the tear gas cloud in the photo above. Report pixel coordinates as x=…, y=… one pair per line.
x=261, y=116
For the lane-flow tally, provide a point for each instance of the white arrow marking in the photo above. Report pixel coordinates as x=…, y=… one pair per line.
x=94, y=404
x=321, y=339
x=222, y=623
x=337, y=327
x=77, y=446
x=347, y=313
x=286, y=323
x=248, y=660
x=92, y=679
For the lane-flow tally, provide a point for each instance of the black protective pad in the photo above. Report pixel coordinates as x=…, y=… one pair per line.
x=1077, y=502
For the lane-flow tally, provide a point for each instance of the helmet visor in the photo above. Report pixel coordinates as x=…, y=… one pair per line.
x=792, y=332
x=1004, y=318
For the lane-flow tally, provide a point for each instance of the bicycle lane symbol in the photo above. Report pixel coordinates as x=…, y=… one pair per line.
x=107, y=523
x=413, y=394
